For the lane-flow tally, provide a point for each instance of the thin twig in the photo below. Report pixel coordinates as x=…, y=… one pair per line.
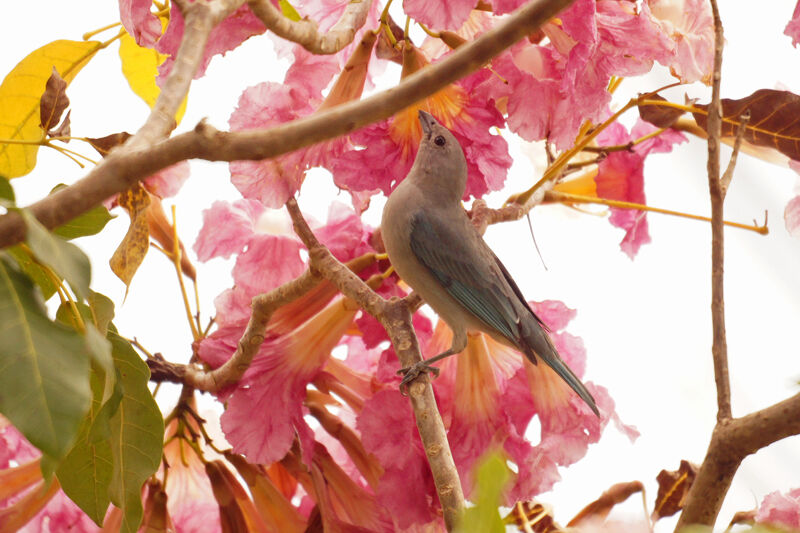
x=304, y=32
x=728, y=175
x=125, y=166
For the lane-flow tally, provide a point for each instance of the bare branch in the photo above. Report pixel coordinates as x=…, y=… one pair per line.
x=732, y=441
x=395, y=316
x=124, y=167
x=719, y=347
x=304, y=32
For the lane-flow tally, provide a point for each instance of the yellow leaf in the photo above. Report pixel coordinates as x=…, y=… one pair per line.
x=19, y=99
x=131, y=251
x=140, y=67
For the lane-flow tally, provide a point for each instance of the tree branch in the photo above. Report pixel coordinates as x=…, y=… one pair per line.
x=731, y=442
x=730, y=438
x=200, y=19
x=304, y=32
x=125, y=166
x=395, y=316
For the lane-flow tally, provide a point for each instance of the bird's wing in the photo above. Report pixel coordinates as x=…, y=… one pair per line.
x=517, y=292
x=465, y=277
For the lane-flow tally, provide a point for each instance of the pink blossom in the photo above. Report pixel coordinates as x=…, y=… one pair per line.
x=167, y=182
x=386, y=150
x=439, y=14
x=793, y=27
x=388, y=430
x=227, y=228
x=264, y=412
x=690, y=27
x=60, y=514
x=791, y=216
x=782, y=510
x=569, y=76
x=14, y=446
x=233, y=31
x=621, y=177
x=274, y=181
x=137, y=19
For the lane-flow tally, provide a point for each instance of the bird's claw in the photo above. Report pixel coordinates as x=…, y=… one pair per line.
x=410, y=373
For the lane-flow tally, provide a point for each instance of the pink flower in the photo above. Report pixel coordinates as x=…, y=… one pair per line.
x=275, y=180
x=690, y=27
x=793, y=27
x=137, y=19
x=386, y=150
x=233, y=31
x=300, y=336
x=620, y=176
x=791, y=216
x=439, y=14
x=782, y=510
x=389, y=432
x=568, y=77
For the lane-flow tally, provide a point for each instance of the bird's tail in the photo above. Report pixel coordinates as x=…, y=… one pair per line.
x=554, y=361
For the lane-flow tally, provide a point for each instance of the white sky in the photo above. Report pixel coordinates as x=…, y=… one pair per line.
x=646, y=324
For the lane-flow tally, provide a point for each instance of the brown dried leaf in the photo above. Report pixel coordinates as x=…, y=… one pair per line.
x=774, y=120
x=63, y=130
x=658, y=115
x=103, y=145
x=533, y=516
x=599, y=509
x=53, y=102
x=673, y=488
x=131, y=251
x=161, y=231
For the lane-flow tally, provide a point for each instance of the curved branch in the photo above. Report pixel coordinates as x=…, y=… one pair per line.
x=123, y=167
x=304, y=32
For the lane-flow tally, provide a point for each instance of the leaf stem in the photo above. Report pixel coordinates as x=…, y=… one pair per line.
x=566, y=198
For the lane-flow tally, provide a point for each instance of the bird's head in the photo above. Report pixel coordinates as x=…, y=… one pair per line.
x=440, y=160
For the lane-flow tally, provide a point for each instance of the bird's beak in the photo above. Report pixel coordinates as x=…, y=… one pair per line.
x=427, y=121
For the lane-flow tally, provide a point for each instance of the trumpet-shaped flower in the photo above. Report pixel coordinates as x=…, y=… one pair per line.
x=384, y=151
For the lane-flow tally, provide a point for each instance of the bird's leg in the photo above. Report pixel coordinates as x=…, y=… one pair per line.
x=410, y=373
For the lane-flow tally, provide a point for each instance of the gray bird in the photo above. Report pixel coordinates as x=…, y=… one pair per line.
x=436, y=250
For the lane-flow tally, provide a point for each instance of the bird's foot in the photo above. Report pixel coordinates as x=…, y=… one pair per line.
x=410, y=373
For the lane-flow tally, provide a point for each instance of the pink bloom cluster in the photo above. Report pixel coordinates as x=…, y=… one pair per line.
x=488, y=395
x=780, y=509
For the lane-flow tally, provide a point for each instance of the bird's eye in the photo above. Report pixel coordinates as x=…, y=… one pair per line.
x=439, y=141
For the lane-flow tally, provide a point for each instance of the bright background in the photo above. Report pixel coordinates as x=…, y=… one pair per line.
x=646, y=323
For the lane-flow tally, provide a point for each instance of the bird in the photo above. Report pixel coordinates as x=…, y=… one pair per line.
x=435, y=249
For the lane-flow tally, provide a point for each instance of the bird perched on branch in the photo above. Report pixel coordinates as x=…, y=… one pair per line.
x=436, y=250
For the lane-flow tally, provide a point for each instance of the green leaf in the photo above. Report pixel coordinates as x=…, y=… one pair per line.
x=44, y=368
x=27, y=263
x=137, y=433
x=85, y=473
x=66, y=259
x=289, y=11
x=6, y=192
x=91, y=222
x=492, y=475
x=99, y=311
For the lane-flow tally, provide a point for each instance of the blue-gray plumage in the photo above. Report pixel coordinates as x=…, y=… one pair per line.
x=436, y=250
